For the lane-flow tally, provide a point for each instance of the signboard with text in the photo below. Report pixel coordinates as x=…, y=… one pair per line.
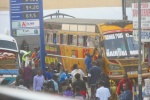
x=25, y=17
x=145, y=15
x=145, y=35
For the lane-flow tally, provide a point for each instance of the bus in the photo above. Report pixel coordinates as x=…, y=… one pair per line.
x=9, y=59
x=68, y=39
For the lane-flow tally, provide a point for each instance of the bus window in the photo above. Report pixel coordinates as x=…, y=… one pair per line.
x=50, y=38
x=74, y=42
x=54, y=38
x=58, y=39
x=63, y=39
x=85, y=41
x=80, y=40
x=90, y=42
x=70, y=39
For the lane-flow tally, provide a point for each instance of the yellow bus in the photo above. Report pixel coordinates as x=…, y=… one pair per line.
x=68, y=39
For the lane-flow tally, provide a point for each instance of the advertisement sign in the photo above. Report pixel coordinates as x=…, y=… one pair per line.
x=26, y=31
x=145, y=15
x=25, y=14
x=25, y=24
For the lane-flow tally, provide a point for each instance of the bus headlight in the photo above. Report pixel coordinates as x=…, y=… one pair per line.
x=114, y=67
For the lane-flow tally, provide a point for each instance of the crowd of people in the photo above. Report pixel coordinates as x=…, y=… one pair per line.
x=57, y=80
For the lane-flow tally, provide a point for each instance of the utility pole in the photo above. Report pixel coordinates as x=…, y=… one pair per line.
x=140, y=58
x=124, y=10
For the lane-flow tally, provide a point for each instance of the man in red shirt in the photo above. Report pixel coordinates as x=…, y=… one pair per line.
x=121, y=82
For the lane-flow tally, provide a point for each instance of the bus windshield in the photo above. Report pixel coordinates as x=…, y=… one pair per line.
x=132, y=44
x=120, y=45
x=8, y=45
x=115, y=45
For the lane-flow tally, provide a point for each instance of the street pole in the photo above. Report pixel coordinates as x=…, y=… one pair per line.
x=140, y=58
x=124, y=9
x=42, y=44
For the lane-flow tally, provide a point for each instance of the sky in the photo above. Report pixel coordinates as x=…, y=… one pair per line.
x=88, y=13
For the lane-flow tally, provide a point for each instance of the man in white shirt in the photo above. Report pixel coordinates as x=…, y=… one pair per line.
x=102, y=93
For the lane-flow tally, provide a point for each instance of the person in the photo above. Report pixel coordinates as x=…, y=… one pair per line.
x=123, y=46
x=21, y=85
x=19, y=76
x=59, y=67
x=105, y=79
x=24, y=45
x=77, y=95
x=100, y=62
x=38, y=81
x=102, y=93
x=54, y=41
x=64, y=78
x=49, y=74
x=94, y=74
x=27, y=75
x=54, y=68
x=34, y=56
x=126, y=94
x=121, y=82
x=52, y=85
x=25, y=56
x=68, y=92
x=88, y=63
x=75, y=71
x=88, y=60
x=81, y=84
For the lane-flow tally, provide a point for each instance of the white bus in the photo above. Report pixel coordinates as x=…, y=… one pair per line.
x=9, y=59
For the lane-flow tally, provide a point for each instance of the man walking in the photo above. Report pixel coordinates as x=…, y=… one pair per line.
x=38, y=81
x=95, y=74
x=102, y=93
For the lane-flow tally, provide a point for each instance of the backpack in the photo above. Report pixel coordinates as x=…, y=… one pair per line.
x=77, y=72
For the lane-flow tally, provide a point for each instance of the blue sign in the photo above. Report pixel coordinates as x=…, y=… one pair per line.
x=23, y=12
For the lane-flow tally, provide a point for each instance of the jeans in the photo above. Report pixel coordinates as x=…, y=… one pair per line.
x=93, y=90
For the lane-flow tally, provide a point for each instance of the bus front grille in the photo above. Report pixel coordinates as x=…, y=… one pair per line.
x=128, y=62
